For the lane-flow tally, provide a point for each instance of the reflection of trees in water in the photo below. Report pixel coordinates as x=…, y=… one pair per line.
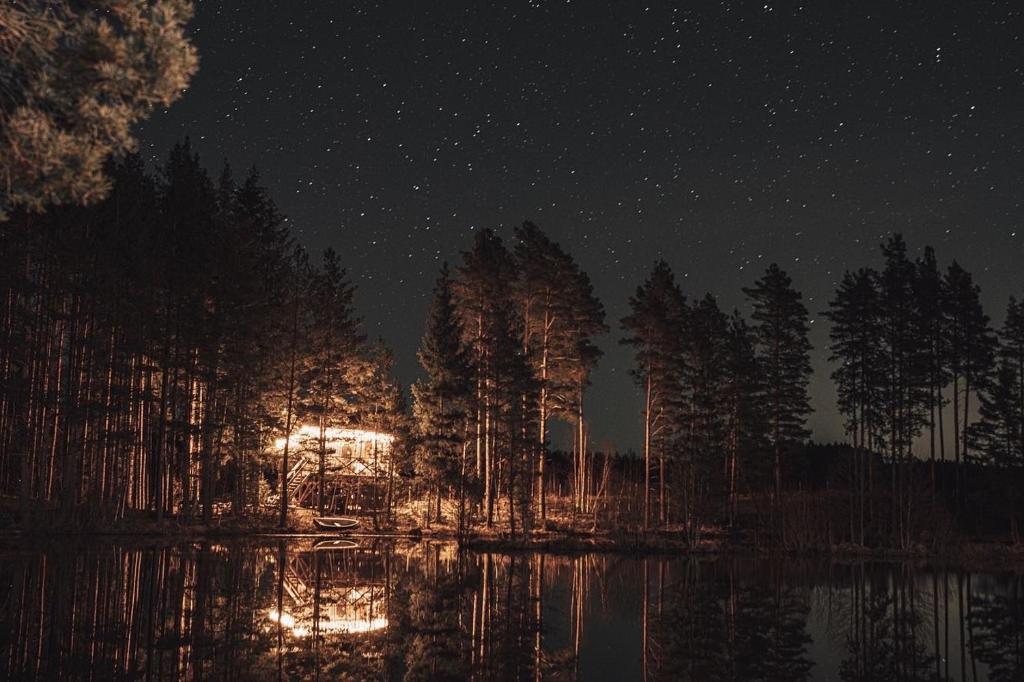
x=888, y=635
x=897, y=622
x=998, y=624
x=718, y=624
x=436, y=641
x=503, y=618
x=427, y=612
x=166, y=613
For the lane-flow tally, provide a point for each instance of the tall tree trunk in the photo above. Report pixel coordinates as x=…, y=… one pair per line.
x=647, y=454
x=283, y=521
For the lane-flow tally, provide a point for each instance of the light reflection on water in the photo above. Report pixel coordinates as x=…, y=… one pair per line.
x=404, y=611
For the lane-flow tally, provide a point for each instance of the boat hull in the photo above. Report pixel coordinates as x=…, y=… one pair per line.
x=335, y=523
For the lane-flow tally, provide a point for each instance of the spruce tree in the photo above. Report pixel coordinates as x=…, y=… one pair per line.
x=441, y=399
x=327, y=380
x=381, y=407
x=704, y=383
x=515, y=421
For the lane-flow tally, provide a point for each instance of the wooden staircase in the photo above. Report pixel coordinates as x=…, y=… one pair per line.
x=298, y=475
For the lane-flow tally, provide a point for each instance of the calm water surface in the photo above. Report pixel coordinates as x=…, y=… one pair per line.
x=402, y=611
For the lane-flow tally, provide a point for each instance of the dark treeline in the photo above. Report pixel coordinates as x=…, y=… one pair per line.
x=921, y=374
x=152, y=345
x=922, y=377
x=155, y=345
x=723, y=398
x=509, y=346
x=920, y=370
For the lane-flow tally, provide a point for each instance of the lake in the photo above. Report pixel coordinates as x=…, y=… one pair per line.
x=388, y=609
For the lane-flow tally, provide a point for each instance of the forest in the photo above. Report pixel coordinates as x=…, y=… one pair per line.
x=157, y=343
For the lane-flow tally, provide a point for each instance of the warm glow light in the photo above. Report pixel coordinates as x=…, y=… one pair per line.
x=343, y=625
x=311, y=431
x=354, y=624
x=284, y=619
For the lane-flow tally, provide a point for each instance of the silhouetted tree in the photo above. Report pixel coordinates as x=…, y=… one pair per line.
x=441, y=399
x=856, y=346
x=328, y=375
x=655, y=329
x=780, y=326
x=971, y=347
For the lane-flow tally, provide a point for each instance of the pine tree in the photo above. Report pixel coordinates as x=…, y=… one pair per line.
x=484, y=302
x=58, y=131
x=380, y=406
x=165, y=331
x=856, y=336
x=515, y=420
x=971, y=346
x=560, y=316
x=856, y=345
x=929, y=294
x=742, y=396
x=655, y=329
x=704, y=383
x=190, y=265
x=441, y=399
x=1012, y=350
x=586, y=320
x=905, y=396
x=780, y=327
x=997, y=433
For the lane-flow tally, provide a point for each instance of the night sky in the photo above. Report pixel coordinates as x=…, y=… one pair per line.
x=718, y=136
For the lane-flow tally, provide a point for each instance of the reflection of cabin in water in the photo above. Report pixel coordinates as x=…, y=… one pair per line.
x=356, y=465
x=335, y=592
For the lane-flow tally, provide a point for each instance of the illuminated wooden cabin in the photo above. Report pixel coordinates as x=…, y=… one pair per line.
x=356, y=467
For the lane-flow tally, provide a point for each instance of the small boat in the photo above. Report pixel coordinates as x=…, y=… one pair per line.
x=327, y=545
x=335, y=523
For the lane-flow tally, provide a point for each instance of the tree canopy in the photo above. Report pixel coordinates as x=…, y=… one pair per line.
x=74, y=78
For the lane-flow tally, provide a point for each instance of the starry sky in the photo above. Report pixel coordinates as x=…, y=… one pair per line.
x=718, y=136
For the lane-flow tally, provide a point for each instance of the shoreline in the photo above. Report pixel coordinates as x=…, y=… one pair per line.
x=625, y=543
